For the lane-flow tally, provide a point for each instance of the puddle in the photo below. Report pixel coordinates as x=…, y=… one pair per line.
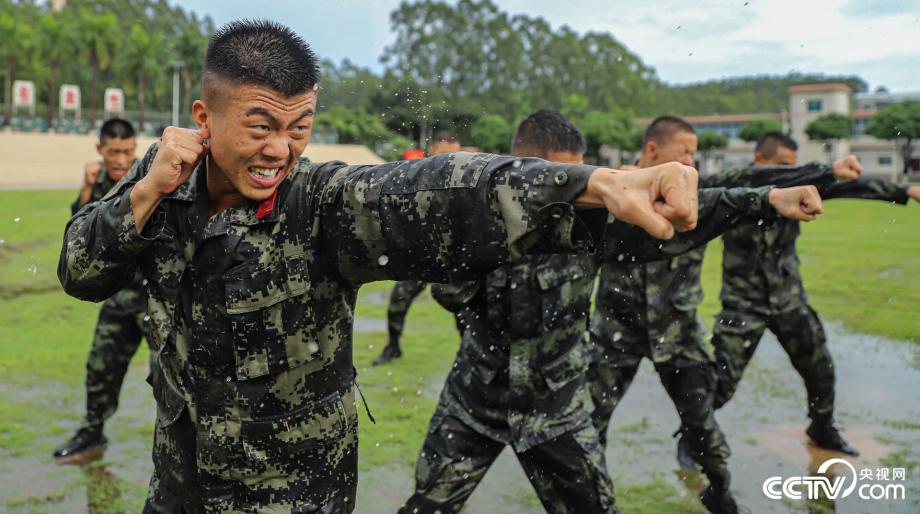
x=364, y=325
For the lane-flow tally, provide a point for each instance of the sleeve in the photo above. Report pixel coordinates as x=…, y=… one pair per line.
x=451, y=217
x=75, y=206
x=101, y=242
x=816, y=174
x=867, y=189
x=720, y=209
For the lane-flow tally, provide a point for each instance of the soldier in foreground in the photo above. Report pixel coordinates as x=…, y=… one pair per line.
x=762, y=289
x=253, y=258
x=121, y=325
x=405, y=292
x=519, y=376
x=648, y=310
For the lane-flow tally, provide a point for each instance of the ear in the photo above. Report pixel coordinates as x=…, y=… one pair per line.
x=99, y=148
x=651, y=150
x=201, y=115
x=758, y=158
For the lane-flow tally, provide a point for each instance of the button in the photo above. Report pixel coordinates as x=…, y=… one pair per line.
x=556, y=212
x=561, y=178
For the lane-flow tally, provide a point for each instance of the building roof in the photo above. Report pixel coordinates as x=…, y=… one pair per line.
x=720, y=118
x=819, y=88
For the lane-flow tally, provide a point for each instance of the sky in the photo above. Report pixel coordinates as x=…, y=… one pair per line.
x=685, y=41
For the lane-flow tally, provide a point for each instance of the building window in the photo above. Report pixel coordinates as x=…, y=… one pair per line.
x=814, y=105
x=884, y=160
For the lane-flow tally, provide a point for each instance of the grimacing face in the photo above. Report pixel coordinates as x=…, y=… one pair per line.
x=256, y=136
x=118, y=156
x=680, y=147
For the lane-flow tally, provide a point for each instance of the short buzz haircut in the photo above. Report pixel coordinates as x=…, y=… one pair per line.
x=445, y=136
x=115, y=128
x=547, y=131
x=769, y=144
x=663, y=128
x=259, y=53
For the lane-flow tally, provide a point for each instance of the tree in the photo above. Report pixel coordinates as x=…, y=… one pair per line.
x=756, y=128
x=707, y=141
x=611, y=129
x=97, y=35
x=142, y=58
x=190, y=48
x=56, y=44
x=829, y=128
x=492, y=133
x=14, y=46
x=898, y=122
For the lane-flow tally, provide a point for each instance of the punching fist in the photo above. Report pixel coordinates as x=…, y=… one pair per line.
x=179, y=153
x=91, y=173
x=801, y=203
x=847, y=168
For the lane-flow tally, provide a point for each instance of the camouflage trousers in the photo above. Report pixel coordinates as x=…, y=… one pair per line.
x=402, y=296
x=569, y=473
x=688, y=381
x=118, y=335
x=737, y=333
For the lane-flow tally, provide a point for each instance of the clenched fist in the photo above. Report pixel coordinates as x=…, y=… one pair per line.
x=847, y=168
x=801, y=203
x=180, y=152
x=91, y=173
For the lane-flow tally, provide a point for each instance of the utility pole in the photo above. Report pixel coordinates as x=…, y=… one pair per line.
x=177, y=65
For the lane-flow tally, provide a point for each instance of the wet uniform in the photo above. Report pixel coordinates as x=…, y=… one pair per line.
x=252, y=313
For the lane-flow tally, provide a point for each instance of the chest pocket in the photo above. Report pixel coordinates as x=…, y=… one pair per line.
x=271, y=318
x=565, y=291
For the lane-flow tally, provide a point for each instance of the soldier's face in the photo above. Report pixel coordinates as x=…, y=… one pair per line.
x=783, y=157
x=257, y=135
x=680, y=147
x=439, y=147
x=118, y=156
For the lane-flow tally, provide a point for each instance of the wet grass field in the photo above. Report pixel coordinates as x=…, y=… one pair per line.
x=861, y=265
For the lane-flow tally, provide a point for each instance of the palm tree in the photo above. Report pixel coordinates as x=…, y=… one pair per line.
x=56, y=44
x=190, y=47
x=141, y=60
x=98, y=33
x=14, y=45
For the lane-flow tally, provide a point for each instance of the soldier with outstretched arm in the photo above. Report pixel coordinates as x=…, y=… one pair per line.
x=253, y=257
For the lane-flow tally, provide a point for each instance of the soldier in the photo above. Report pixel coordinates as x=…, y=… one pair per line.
x=253, y=258
x=519, y=376
x=120, y=326
x=649, y=311
x=405, y=291
x=762, y=289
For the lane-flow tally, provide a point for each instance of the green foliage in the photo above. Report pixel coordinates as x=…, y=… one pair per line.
x=710, y=140
x=828, y=127
x=899, y=122
x=754, y=129
x=613, y=129
x=491, y=133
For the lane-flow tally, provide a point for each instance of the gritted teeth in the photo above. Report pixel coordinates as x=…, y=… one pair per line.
x=264, y=173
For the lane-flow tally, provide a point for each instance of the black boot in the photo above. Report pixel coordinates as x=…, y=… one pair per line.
x=686, y=457
x=390, y=352
x=86, y=446
x=825, y=435
x=721, y=502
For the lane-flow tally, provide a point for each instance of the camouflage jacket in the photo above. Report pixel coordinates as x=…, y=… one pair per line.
x=650, y=309
x=519, y=376
x=252, y=316
x=760, y=265
x=129, y=299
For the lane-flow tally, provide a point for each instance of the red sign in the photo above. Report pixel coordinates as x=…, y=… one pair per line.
x=114, y=100
x=25, y=93
x=70, y=97
x=415, y=153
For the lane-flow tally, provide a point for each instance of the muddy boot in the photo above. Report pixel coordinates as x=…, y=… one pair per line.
x=390, y=352
x=825, y=435
x=87, y=445
x=721, y=502
x=686, y=457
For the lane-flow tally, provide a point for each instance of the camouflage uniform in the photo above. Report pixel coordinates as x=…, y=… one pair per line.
x=252, y=316
x=117, y=337
x=649, y=311
x=762, y=289
x=519, y=377
x=404, y=293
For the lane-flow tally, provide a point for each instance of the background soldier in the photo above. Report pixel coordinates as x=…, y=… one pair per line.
x=649, y=311
x=762, y=288
x=253, y=259
x=519, y=377
x=405, y=291
x=121, y=325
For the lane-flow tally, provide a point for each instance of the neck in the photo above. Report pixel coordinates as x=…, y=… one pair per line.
x=221, y=193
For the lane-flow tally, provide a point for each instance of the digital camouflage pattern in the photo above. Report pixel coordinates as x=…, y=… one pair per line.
x=519, y=377
x=649, y=311
x=762, y=289
x=117, y=336
x=401, y=298
x=252, y=317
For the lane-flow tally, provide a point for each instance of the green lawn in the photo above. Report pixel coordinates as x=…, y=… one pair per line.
x=861, y=265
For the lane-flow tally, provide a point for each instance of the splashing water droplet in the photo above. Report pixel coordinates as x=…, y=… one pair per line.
x=17, y=219
x=34, y=269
